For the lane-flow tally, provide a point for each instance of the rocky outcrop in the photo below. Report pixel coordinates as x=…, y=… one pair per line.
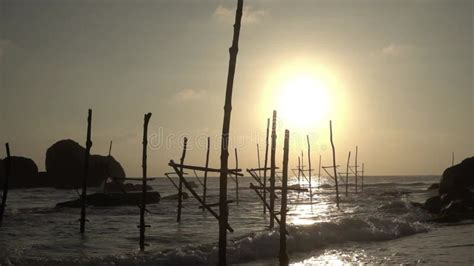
x=457, y=178
x=65, y=166
x=23, y=173
x=455, y=199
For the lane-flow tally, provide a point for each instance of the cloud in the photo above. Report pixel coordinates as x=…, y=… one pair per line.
x=393, y=50
x=249, y=16
x=189, y=95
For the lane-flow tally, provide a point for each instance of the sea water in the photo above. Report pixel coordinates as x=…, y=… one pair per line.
x=377, y=225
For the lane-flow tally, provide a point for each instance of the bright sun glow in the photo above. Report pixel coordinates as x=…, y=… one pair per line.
x=304, y=100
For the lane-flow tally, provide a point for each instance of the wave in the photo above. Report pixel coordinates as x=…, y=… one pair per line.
x=389, y=221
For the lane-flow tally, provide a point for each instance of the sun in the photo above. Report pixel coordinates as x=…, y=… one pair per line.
x=304, y=100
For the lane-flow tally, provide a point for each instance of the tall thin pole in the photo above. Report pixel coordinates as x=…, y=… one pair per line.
x=272, y=170
x=334, y=163
x=5, y=182
x=299, y=169
x=319, y=172
x=180, y=187
x=204, y=192
x=356, y=173
x=258, y=162
x=284, y=260
x=265, y=166
x=146, y=120
x=236, y=177
x=223, y=208
x=362, y=177
x=309, y=171
x=347, y=174
x=86, y=172
x=452, y=158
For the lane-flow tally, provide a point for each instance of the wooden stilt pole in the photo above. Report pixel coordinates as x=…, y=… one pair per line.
x=7, y=165
x=334, y=163
x=284, y=260
x=223, y=208
x=299, y=170
x=265, y=166
x=204, y=192
x=236, y=177
x=319, y=172
x=347, y=174
x=356, y=173
x=309, y=171
x=86, y=173
x=272, y=169
x=142, y=225
x=362, y=177
x=180, y=187
x=258, y=161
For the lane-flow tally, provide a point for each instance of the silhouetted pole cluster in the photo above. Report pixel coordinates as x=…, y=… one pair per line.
x=86, y=173
x=236, y=177
x=334, y=163
x=265, y=166
x=356, y=174
x=284, y=260
x=142, y=225
x=272, y=170
x=7, y=165
x=204, y=192
x=347, y=173
x=309, y=165
x=223, y=208
x=319, y=172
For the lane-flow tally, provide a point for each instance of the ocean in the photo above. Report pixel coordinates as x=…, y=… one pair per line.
x=377, y=225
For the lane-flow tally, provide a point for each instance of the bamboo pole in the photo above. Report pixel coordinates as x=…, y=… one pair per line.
x=265, y=166
x=258, y=161
x=299, y=170
x=204, y=192
x=142, y=225
x=319, y=172
x=356, y=174
x=284, y=260
x=7, y=165
x=236, y=177
x=347, y=174
x=223, y=208
x=309, y=165
x=272, y=169
x=180, y=187
x=86, y=173
x=334, y=163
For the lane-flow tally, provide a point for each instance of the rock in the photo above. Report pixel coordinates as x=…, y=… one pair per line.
x=65, y=166
x=433, y=204
x=433, y=186
x=457, y=178
x=24, y=173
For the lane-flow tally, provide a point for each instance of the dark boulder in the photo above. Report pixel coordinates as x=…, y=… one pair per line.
x=24, y=173
x=457, y=178
x=433, y=204
x=65, y=166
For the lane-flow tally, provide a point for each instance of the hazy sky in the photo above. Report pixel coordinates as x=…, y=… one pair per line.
x=400, y=78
